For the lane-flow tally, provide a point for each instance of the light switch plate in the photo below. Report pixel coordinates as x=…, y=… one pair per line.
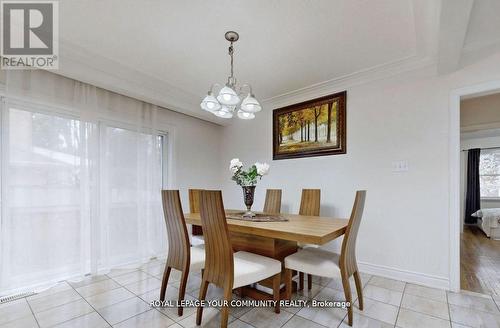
x=400, y=166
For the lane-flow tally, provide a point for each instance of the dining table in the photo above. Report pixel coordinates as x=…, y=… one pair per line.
x=276, y=239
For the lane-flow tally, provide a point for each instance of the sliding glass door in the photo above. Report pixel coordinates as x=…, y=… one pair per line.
x=132, y=180
x=41, y=200
x=76, y=197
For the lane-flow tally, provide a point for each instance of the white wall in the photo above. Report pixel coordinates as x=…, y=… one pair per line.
x=405, y=229
x=196, y=154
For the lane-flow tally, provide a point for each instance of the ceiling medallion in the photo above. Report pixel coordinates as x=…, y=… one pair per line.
x=229, y=96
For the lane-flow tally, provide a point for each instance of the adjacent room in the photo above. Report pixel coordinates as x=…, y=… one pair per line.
x=480, y=185
x=250, y=163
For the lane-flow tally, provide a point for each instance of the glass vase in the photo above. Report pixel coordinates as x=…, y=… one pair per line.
x=248, y=195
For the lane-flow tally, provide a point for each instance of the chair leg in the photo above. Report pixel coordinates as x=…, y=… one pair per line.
x=359, y=289
x=228, y=296
x=182, y=289
x=301, y=280
x=276, y=291
x=202, y=295
x=164, y=283
x=288, y=284
x=309, y=281
x=348, y=297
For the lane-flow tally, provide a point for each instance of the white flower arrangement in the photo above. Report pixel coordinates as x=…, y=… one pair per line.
x=250, y=176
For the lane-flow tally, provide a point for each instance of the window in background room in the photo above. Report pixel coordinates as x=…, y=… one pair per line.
x=489, y=173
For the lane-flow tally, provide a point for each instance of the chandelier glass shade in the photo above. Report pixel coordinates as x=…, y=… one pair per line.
x=230, y=95
x=210, y=103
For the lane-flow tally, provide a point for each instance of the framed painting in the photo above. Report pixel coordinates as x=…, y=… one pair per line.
x=312, y=128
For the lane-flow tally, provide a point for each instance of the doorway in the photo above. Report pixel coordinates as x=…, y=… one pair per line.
x=475, y=161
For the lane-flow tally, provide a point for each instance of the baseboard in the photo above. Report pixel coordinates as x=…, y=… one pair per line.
x=405, y=275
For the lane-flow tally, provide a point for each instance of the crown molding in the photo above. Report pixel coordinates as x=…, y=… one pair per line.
x=491, y=129
x=375, y=73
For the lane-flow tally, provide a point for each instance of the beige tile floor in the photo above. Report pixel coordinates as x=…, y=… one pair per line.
x=121, y=299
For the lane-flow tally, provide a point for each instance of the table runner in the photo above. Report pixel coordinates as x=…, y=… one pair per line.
x=259, y=217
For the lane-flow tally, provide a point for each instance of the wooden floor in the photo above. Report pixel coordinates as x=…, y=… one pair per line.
x=479, y=262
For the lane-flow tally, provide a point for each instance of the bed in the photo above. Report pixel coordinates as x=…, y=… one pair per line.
x=489, y=221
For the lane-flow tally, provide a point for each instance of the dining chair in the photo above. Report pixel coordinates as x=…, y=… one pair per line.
x=273, y=201
x=181, y=256
x=194, y=207
x=328, y=264
x=310, y=206
x=224, y=268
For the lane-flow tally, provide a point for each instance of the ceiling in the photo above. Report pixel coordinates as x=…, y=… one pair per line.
x=484, y=24
x=170, y=52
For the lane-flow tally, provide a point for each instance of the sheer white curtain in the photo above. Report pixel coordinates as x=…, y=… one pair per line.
x=81, y=173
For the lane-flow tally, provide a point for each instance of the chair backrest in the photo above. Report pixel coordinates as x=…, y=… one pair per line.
x=219, y=262
x=273, y=201
x=310, y=202
x=178, y=239
x=348, y=252
x=194, y=207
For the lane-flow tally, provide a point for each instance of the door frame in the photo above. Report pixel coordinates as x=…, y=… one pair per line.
x=454, y=173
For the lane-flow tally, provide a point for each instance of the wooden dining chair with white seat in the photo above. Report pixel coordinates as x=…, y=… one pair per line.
x=194, y=207
x=272, y=204
x=223, y=267
x=310, y=204
x=328, y=264
x=181, y=256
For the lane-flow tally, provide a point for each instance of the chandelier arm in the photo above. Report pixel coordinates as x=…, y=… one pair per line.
x=248, y=86
x=214, y=85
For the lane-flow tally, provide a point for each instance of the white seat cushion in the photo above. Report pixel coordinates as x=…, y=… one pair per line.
x=197, y=240
x=197, y=258
x=315, y=261
x=302, y=245
x=250, y=268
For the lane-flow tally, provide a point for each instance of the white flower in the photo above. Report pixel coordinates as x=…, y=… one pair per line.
x=235, y=165
x=262, y=168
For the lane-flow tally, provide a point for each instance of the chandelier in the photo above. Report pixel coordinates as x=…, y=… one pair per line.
x=229, y=96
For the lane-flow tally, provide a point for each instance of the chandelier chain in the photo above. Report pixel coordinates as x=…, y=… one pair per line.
x=231, y=52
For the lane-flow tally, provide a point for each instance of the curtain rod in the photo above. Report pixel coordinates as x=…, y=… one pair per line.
x=482, y=148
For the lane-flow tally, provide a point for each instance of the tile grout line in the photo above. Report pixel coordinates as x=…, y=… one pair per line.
x=32, y=312
x=414, y=310
x=496, y=303
x=293, y=315
x=428, y=314
x=100, y=292
x=449, y=311
x=400, y=303
x=137, y=296
x=95, y=310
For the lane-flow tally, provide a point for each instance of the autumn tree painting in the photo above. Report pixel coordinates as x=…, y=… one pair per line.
x=312, y=128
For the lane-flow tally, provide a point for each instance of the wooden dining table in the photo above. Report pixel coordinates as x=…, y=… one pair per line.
x=277, y=239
